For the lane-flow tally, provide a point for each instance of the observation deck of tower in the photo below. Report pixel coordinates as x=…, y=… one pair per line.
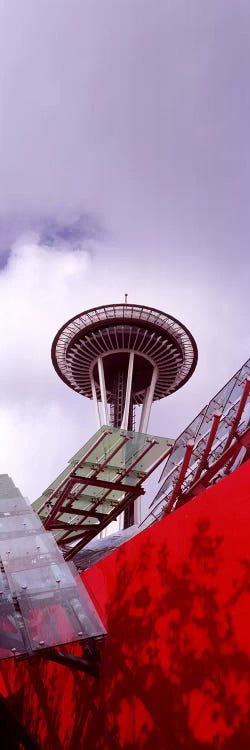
x=124, y=356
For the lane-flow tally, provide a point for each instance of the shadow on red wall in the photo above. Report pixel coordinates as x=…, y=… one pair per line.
x=175, y=666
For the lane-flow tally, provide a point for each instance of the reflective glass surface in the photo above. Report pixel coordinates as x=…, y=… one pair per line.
x=43, y=602
x=12, y=636
x=13, y=504
x=53, y=618
x=12, y=525
x=29, y=550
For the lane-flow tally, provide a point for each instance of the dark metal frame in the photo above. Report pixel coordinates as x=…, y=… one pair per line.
x=89, y=662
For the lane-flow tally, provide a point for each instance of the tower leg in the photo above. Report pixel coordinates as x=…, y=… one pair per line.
x=103, y=390
x=148, y=402
x=94, y=396
x=125, y=419
x=146, y=408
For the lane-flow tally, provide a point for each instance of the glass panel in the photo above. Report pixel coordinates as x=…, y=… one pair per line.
x=12, y=638
x=28, y=551
x=13, y=505
x=54, y=618
x=19, y=525
x=52, y=577
x=42, y=599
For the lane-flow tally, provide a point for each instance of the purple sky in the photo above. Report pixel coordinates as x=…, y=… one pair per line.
x=125, y=167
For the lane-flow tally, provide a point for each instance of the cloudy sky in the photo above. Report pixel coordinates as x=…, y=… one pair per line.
x=124, y=167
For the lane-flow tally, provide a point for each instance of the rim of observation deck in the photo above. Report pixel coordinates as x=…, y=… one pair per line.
x=118, y=313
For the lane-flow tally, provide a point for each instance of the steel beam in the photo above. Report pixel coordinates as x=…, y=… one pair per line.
x=210, y=440
x=112, y=516
x=239, y=413
x=81, y=460
x=180, y=480
x=99, y=483
x=226, y=456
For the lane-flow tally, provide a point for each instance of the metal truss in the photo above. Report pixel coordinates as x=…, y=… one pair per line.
x=104, y=481
x=213, y=445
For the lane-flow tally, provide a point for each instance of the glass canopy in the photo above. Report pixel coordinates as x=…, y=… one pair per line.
x=103, y=478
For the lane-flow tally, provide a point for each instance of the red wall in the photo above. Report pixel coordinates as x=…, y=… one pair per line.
x=174, y=672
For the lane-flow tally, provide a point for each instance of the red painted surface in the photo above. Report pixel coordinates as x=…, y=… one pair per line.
x=176, y=601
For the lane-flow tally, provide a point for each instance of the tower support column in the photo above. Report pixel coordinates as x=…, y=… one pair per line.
x=95, y=402
x=148, y=402
x=124, y=424
x=103, y=390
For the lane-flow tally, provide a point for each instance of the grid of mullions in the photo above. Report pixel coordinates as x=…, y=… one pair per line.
x=227, y=401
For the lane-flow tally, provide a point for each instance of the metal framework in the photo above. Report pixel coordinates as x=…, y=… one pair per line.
x=213, y=445
x=104, y=478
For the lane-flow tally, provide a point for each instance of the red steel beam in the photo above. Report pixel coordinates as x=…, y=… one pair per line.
x=239, y=413
x=180, y=480
x=56, y=508
x=86, y=513
x=73, y=480
x=101, y=467
x=75, y=537
x=233, y=459
x=158, y=462
x=129, y=469
x=136, y=492
x=102, y=483
x=137, y=489
x=60, y=486
x=226, y=456
x=90, y=535
x=204, y=458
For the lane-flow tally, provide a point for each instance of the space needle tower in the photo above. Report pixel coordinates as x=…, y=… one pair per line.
x=123, y=357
